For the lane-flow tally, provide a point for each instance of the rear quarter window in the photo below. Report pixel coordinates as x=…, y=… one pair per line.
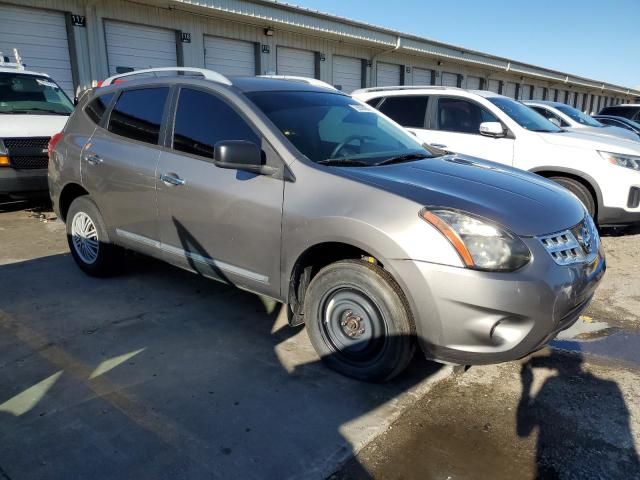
x=95, y=108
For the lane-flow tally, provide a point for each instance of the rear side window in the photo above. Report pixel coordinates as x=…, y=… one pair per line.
x=138, y=114
x=458, y=115
x=203, y=119
x=408, y=111
x=96, y=108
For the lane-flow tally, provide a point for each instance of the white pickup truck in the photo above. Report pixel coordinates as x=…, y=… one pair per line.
x=33, y=107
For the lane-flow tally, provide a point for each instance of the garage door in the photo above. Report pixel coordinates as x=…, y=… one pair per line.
x=347, y=73
x=494, y=86
x=474, y=83
x=449, y=79
x=525, y=92
x=388, y=75
x=134, y=47
x=230, y=57
x=298, y=63
x=41, y=39
x=551, y=94
x=509, y=90
x=538, y=93
x=422, y=76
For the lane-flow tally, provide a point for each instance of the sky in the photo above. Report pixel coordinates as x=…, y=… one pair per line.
x=598, y=39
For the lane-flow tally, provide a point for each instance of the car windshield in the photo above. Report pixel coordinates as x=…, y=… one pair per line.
x=524, y=116
x=33, y=95
x=335, y=129
x=577, y=116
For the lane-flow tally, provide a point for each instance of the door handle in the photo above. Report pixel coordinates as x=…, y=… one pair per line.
x=171, y=179
x=438, y=145
x=94, y=159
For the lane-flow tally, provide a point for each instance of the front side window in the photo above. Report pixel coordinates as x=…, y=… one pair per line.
x=32, y=95
x=463, y=116
x=138, y=114
x=96, y=108
x=577, y=116
x=524, y=116
x=549, y=115
x=408, y=111
x=327, y=126
x=203, y=119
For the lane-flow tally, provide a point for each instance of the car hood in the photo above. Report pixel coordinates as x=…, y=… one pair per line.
x=585, y=140
x=607, y=131
x=525, y=203
x=31, y=125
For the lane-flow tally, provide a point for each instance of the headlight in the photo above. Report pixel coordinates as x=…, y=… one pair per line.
x=480, y=244
x=4, y=155
x=621, y=159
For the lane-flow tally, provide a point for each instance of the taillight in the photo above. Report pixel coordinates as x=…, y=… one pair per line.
x=53, y=141
x=99, y=84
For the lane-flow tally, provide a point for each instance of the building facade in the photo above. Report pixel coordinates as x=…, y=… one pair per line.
x=79, y=42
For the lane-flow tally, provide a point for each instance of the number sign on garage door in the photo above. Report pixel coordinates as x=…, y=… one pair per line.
x=449, y=79
x=388, y=75
x=347, y=73
x=41, y=39
x=134, y=47
x=422, y=76
x=230, y=57
x=297, y=63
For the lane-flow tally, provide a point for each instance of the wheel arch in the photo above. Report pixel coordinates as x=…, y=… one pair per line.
x=69, y=193
x=577, y=175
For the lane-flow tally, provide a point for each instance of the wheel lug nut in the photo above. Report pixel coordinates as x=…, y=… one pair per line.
x=361, y=331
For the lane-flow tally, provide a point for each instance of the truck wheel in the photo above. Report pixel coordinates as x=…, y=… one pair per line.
x=358, y=321
x=580, y=191
x=88, y=240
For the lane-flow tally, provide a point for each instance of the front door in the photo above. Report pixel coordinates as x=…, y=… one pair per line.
x=221, y=223
x=456, y=127
x=119, y=167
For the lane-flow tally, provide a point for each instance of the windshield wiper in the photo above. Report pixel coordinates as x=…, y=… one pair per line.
x=344, y=162
x=31, y=110
x=402, y=158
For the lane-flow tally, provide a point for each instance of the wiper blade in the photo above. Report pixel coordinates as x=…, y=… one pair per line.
x=344, y=162
x=403, y=158
x=33, y=111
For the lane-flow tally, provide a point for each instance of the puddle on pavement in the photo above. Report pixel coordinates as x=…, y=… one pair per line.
x=598, y=338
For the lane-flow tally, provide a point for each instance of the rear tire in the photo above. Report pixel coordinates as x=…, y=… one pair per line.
x=580, y=191
x=359, y=322
x=88, y=240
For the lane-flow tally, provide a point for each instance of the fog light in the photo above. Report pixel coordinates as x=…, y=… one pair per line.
x=4, y=161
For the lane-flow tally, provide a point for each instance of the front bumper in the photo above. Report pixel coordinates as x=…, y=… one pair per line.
x=617, y=217
x=469, y=317
x=22, y=181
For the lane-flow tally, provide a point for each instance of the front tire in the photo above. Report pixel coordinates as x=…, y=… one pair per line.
x=580, y=191
x=358, y=321
x=88, y=240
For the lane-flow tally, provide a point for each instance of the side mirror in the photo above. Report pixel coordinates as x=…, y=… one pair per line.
x=240, y=155
x=492, y=129
x=555, y=121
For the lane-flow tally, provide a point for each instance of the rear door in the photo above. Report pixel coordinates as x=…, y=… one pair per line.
x=119, y=166
x=455, y=126
x=221, y=223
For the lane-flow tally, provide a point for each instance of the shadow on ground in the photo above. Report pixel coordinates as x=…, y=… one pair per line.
x=162, y=374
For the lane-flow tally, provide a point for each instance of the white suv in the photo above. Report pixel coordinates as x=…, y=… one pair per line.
x=603, y=172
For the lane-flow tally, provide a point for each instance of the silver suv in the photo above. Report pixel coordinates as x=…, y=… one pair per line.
x=293, y=190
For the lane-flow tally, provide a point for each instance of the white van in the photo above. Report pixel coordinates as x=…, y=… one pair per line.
x=33, y=107
x=603, y=172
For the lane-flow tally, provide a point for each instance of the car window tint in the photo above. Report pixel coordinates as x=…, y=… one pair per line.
x=138, y=114
x=373, y=102
x=408, y=111
x=202, y=120
x=96, y=108
x=458, y=115
x=549, y=115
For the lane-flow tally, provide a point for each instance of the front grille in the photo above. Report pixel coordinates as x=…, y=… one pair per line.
x=576, y=245
x=634, y=198
x=28, y=142
x=32, y=162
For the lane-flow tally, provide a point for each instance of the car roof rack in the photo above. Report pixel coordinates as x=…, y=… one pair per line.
x=206, y=74
x=311, y=81
x=406, y=87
